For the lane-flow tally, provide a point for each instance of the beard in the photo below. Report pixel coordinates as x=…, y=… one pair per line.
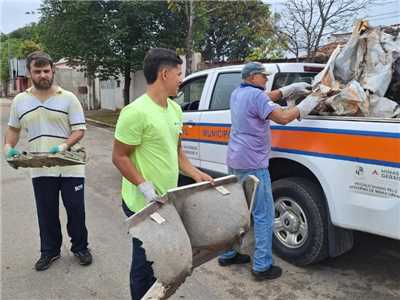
x=43, y=84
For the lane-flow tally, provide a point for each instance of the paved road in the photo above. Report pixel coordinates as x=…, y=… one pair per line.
x=370, y=271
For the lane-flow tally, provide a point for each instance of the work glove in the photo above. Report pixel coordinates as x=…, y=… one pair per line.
x=295, y=89
x=59, y=148
x=307, y=105
x=148, y=191
x=10, y=151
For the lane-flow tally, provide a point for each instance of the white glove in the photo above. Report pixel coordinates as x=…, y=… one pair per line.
x=307, y=105
x=148, y=191
x=297, y=88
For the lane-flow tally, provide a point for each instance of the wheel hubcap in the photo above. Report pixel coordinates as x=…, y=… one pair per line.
x=291, y=226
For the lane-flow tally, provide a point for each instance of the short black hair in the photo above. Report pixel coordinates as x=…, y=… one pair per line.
x=157, y=58
x=40, y=59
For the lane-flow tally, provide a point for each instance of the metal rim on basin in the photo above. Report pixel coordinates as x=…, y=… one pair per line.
x=290, y=225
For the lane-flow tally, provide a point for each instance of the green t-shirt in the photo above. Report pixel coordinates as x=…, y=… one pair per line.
x=154, y=131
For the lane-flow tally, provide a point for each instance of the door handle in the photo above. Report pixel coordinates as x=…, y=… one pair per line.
x=190, y=123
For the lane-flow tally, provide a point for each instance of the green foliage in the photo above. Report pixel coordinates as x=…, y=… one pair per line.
x=9, y=48
x=271, y=48
x=17, y=44
x=137, y=26
x=199, y=16
x=108, y=36
x=235, y=29
x=29, y=32
x=76, y=30
x=27, y=47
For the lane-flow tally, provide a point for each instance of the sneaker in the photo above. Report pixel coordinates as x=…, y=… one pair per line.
x=272, y=273
x=45, y=261
x=238, y=259
x=84, y=256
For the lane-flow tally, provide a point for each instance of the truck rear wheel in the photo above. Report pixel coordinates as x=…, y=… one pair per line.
x=300, y=227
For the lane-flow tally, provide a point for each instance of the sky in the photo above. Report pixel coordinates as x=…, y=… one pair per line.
x=13, y=12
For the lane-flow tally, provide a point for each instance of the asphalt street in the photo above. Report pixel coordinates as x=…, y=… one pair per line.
x=370, y=271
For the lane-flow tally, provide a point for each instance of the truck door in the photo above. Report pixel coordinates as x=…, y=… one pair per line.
x=189, y=98
x=215, y=123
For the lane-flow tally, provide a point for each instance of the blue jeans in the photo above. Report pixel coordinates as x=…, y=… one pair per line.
x=141, y=276
x=263, y=216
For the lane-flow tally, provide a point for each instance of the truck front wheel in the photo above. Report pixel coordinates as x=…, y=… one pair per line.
x=300, y=226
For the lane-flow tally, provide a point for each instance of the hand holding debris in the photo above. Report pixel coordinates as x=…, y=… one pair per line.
x=148, y=191
x=307, y=105
x=10, y=151
x=295, y=89
x=58, y=149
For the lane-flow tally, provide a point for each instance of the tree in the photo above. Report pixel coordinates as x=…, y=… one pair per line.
x=306, y=22
x=17, y=46
x=27, y=47
x=137, y=26
x=236, y=29
x=77, y=31
x=195, y=18
x=108, y=38
x=29, y=32
x=271, y=48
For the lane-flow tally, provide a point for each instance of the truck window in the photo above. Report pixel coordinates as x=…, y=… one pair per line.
x=190, y=93
x=224, y=86
x=283, y=79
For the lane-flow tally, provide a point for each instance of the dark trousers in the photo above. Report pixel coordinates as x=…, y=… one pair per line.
x=47, y=191
x=141, y=276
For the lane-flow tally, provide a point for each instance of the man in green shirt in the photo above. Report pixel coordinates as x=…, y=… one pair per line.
x=147, y=150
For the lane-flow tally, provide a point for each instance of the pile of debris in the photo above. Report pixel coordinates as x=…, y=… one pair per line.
x=46, y=159
x=361, y=78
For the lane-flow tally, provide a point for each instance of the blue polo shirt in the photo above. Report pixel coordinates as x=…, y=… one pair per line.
x=249, y=144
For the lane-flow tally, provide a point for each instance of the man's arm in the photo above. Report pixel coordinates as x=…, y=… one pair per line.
x=120, y=158
x=297, y=88
x=11, y=137
x=187, y=168
x=284, y=116
x=75, y=137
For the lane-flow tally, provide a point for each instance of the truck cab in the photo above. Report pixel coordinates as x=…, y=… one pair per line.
x=330, y=175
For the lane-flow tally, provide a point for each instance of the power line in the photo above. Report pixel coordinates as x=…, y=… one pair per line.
x=383, y=18
x=395, y=13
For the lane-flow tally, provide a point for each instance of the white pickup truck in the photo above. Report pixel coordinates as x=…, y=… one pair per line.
x=330, y=175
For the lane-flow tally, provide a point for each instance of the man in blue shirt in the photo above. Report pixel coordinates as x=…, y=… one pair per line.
x=249, y=150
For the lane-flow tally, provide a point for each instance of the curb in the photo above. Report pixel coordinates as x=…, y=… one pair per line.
x=95, y=122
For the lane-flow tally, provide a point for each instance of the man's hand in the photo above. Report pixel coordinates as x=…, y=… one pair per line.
x=201, y=176
x=298, y=88
x=10, y=151
x=307, y=105
x=59, y=148
x=148, y=191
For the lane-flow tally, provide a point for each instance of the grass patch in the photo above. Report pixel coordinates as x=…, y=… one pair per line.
x=103, y=115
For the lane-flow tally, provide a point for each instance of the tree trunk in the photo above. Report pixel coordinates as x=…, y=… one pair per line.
x=189, y=39
x=90, y=104
x=5, y=84
x=127, y=83
x=93, y=101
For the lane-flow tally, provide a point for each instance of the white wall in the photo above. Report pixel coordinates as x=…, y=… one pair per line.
x=109, y=92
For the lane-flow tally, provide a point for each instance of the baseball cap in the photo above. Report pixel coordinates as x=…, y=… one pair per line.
x=252, y=68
